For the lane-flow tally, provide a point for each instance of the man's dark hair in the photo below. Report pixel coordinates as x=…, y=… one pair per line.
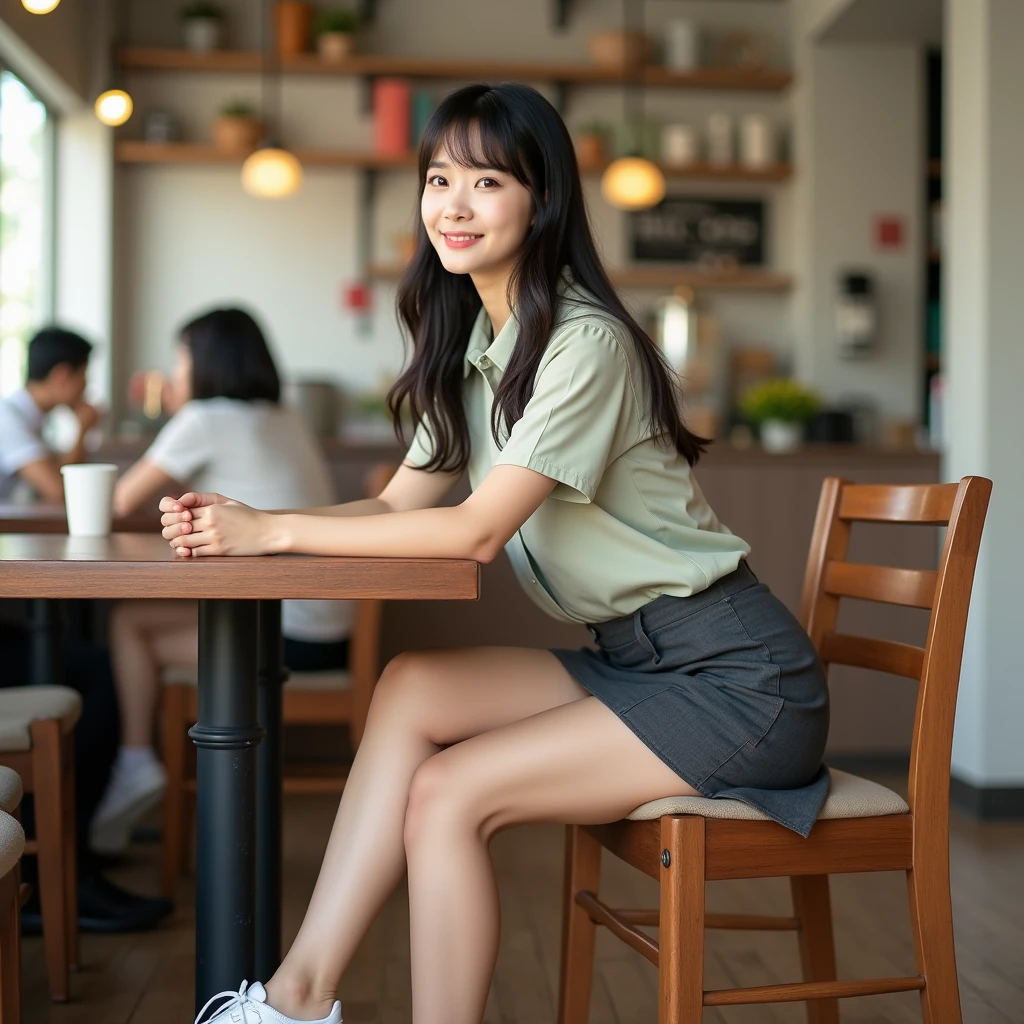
x=53, y=346
x=230, y=357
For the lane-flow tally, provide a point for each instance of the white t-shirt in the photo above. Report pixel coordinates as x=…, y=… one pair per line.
x=21, y=438
x=265, y=456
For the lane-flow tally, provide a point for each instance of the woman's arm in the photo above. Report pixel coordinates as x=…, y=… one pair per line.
x=142, y=481
x=478, y=528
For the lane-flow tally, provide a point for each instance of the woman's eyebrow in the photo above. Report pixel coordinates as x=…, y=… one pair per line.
x=440, y=164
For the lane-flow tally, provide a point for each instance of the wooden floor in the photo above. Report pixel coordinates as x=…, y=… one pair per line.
x=147, y=979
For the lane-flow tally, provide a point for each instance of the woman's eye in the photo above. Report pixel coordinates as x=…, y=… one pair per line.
x=488, y=182
x=437, y=180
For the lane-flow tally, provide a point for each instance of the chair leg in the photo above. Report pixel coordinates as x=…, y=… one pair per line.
x=582, y=874
x=174, y=742
x=50, y=837
x=811, y=905
x=931, y=918
x=681, y=922
x=10, y=948
x=70, y=853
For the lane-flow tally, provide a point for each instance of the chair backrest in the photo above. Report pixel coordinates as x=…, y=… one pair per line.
x=364, y=650
x=945, y=592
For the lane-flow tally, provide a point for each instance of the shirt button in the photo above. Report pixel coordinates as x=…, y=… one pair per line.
x=484, y=362
x=533, y=580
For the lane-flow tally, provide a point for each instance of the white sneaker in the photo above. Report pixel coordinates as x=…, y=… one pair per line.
x=249, y=1006
x=130, y=796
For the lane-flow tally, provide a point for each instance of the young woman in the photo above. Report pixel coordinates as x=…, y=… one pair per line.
x=229, y=433
x=527, y=371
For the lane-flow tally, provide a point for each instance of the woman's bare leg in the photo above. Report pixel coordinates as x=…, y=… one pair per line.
x=146, y=636
x=577, y=763
x=422, y=703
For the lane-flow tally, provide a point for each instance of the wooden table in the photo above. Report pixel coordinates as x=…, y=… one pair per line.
x=45, y=618
x=238, y=819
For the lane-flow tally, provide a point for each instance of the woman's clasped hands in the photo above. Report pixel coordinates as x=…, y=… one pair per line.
x=210, y=524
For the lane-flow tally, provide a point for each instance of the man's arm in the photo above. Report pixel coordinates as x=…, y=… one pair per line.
x=43, y=476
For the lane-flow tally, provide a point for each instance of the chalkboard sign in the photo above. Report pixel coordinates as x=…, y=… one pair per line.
x=712, y=232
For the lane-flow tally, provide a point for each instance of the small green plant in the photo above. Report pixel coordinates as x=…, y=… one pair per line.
x=601, y=129
x=779, y=398
x=238, y=108
x=340, y=19
x=202, y=9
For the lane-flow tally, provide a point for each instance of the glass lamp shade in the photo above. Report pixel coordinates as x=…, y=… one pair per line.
x=114, y=107
x=271, y=173
x=632, y=183
x=39, y=6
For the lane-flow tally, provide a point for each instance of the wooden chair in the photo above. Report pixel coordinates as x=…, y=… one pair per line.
x=37, y=741
x=309, y=698
x=12, y=845
x=686, y=841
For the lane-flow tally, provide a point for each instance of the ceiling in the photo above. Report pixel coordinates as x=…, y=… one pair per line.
x=887, y=21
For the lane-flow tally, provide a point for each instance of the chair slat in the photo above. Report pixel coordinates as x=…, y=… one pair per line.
x=921, y=503
x=912, y=588
x=805, y=990
x=872, y=653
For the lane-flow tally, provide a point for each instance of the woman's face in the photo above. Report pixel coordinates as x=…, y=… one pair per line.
x=475, y=217
x=181, y=378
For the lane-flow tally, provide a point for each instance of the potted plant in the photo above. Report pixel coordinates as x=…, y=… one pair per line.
x=780, y=407
x=592, y=144
x=202, y=26
x=293, y=20
x=237, y=129
x=335, y=34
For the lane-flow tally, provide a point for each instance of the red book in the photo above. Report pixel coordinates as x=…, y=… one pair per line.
x=392, y=116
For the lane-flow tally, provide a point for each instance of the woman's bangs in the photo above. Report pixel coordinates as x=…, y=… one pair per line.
x=475, y=140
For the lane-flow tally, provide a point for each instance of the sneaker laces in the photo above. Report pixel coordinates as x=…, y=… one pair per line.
x=231, y=1000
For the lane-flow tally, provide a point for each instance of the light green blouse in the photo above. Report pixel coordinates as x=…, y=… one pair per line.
x=626, y=521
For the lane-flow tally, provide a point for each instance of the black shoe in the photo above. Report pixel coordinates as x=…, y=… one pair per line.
x=104, y=907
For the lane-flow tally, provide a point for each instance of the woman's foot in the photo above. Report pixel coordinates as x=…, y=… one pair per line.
x=249, y=1006
x=136, y=786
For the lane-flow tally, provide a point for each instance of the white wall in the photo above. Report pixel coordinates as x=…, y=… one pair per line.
x=985, y=364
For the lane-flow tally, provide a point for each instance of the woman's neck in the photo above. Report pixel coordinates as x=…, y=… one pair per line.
x=492, y=287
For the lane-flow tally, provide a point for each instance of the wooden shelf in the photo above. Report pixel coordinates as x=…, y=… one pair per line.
x=373, y=65
x=136, y=152
x=656, y=277
x=133, y=152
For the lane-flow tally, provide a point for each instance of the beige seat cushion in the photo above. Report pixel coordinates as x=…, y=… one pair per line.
x=11, y=790
x=20, y=706
x=12, y=842
x=850, y=796
x=329, y=680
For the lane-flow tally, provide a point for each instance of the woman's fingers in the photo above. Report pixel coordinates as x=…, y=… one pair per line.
x=176, y=530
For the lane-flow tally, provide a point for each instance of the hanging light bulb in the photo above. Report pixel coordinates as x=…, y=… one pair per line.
x=114, y=107
x=271, y=173
x=633, y=183
x=39, y=6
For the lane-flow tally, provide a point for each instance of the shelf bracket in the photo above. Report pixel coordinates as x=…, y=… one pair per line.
x=366, y=93
x=364, y=236
x=367, y=11
x=559, y=13
x=561, y=92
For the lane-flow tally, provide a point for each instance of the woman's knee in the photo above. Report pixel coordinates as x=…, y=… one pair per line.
x=443, y=801
x=403, y=688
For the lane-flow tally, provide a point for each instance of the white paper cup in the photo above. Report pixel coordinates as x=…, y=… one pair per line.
x=89, y=498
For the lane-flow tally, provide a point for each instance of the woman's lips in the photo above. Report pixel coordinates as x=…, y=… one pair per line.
x=460, y=240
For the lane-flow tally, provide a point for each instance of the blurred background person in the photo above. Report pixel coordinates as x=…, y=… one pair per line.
x=228, y=434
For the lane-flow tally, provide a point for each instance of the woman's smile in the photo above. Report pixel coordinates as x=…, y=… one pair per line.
x=460, y=240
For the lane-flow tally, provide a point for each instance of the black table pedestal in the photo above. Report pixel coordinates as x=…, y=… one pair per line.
x=269, y=830
x=226, y=735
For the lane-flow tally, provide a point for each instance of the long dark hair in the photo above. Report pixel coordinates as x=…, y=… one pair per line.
x=511, y=128
x=230, y=357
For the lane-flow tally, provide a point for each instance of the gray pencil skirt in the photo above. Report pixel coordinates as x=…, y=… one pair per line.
x=726, y=688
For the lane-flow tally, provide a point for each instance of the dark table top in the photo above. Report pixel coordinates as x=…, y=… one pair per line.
x=48, y=518
x=144, y=566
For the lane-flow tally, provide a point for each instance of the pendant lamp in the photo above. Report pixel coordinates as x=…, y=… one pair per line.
x=113, y=106
x=39, y=6
x=271, y=172
x=633, y=182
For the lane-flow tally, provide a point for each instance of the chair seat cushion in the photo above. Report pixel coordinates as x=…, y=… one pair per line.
x=12, y=842
x=20, y=706
x=11, y=790
x=849, y=796
x=331, y=679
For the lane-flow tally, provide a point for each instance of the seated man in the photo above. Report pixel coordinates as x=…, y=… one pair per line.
x=57, y=362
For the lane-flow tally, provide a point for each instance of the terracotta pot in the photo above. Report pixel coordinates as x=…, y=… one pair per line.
x=293, y=20
x=335, y=47
x=239, y=135
x=591, y=151
x=619, y=48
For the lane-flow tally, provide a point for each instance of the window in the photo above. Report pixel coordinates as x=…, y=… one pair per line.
x=25, y=203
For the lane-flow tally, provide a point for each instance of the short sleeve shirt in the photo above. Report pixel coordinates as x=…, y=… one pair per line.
x=21, y=437
x=626, y=521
